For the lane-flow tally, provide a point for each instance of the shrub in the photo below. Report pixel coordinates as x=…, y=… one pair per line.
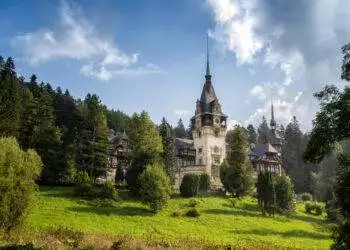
x=82, y=178
x=313, y=208
x=176, y=214
x=29, y=246
x=189, y=185
x=284, y=194
x=18, y=171
x=84, y=190
x=306, y=197
x=192, y=213
x=108, y=191
x=193, y=203
x=155, y=187
x=204, y=182
x=333, y=213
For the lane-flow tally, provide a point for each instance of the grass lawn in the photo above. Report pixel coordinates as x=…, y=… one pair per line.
x=219, y=224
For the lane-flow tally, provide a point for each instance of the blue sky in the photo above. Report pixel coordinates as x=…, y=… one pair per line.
x=150, y=55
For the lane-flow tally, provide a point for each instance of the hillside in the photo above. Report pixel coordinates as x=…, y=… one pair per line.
x=220, y=224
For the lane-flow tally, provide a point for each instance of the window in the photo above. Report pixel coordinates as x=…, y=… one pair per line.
x=200, y=150
x=200, y=161
x=216, y=160
x=217, y=121
x=216, y=149
x=216, y=133
x=199, y=134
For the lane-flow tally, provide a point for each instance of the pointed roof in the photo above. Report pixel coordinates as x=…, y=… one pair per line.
x=272, y=122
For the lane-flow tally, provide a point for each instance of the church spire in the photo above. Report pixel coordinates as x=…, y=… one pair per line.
x=272, y=122
x=207, y=74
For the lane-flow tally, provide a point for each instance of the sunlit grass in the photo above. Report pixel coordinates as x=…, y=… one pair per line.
x=219, y=223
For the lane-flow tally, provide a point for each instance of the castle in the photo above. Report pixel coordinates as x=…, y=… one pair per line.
x=207, y=150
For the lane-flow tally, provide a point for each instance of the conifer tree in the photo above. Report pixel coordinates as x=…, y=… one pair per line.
x=263, y=132
x=236, y=171
x=179, y=130
x=168, y=154
x=251, y=134
x=146, y=147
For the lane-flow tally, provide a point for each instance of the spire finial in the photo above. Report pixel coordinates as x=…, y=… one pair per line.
x=208, y=67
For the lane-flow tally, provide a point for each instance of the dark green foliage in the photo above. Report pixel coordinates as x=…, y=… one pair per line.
x=306, y=197
x=155, y=187
x=204, y=182
x=176, y=214
x=284, y=195
x=108, y=191
x=193, y=203
x=193, y=213
x=18, y=172
x=82, y=177
x=117, y=120
x=313, y=208
x=266, y=193
x=263, y=132
x=189, y=185
x=28, y=246
x=333, y=213
x=168, y=154
x=236, y=171
x=341, y=237
x=146, y=148
x=179, y=130
x=84, y=190
x=252, y=136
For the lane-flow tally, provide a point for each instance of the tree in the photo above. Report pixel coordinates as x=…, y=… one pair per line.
x=18, y=172
x=155, y=187
x=332, y=125
x=251, y=134
x=236, y=171
x=117, y=120
x=263, y=132
x=92, y=137
x=179, y=130
x=281, y=131
x=168, y=154
x=10, y=100
x=204, y=182
x=189, y=185
x=146, y=146
x=284, y=194
x=265, y=187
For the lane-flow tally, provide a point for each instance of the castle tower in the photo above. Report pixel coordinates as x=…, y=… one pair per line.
x=275, y=139
x=209, y=129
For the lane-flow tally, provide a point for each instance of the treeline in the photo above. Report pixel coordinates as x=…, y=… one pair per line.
x=69, y=134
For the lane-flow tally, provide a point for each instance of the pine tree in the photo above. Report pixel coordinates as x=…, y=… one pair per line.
x=10, y=100
x=179, y=130
x=265, y=187
x=251, y=134
x=236, y=171
x=263, y=132
x=146, y=147
x=168, y=154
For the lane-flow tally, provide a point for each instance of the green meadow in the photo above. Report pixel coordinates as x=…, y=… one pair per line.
x=221, y=222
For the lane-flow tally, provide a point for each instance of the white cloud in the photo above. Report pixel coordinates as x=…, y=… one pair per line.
x=181, y=112
x=235, y=28
x=76, y=38
x=232, y=123
x=268, y=91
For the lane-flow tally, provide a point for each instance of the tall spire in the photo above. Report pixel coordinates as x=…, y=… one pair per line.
x=207, y=75
x=272, y=122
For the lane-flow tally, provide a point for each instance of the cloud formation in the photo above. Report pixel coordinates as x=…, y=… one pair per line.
x=300, y=39
x=76, y=38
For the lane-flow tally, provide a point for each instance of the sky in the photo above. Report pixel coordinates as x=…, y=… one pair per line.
x=150, y=55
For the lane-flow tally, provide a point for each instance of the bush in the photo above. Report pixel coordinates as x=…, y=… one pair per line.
x=84, y=190
x=284, y=194
x=18, y=171
x=306, y=197
x=108, y=191
x=204, y=182
x=155, y=187
x=29, y=246
x=313, y=208
x=193, y=203
x=192, y=213
x=82, y=178
x=189, y=185
x=176, y=214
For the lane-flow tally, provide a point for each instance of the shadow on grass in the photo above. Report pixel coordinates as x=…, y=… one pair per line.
x=232, y=212
x=124, y=211
x=288, y=234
